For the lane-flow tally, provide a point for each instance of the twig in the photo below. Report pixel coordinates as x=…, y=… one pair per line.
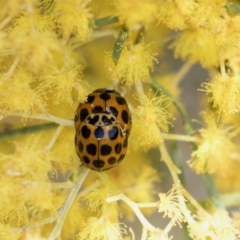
x=62, y=213
x=45, y=116
x=37, y=224
x=144, y=234
x=54, y=138
x=148, y=205
x=179, y=137
x=178, y=77
x=135, y=208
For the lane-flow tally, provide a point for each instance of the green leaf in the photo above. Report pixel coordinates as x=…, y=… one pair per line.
x=102, y=22
x=117, y=49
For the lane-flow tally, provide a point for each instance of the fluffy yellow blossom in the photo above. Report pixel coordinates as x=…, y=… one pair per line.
x=5, y=43
x=209, y=14
x=62, y=82
x=36, y=50
x=175, y=14
x=8, y=233
x=64, y=151
x=229, y=181
x=217, y=226
x=97, y=204
x=151, y=116
x=72, y=18
x=12, y=97
x=224, y=93
x=170, y=206
x=39, y=199
x=12, y=207
x=30, y=160
x=137, y=183
x=215, y=149
x=28, y=23
x=12, y=8
x=101, y=229
x=196, y=45
x=227, y=36
x=136, y=12
x=133, y=65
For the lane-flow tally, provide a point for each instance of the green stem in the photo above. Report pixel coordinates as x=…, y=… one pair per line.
x=212, y=190
x=176, y=156
x=27, y=130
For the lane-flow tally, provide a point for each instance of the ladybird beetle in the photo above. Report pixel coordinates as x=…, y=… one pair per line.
x=103, y=124
x=107, y=100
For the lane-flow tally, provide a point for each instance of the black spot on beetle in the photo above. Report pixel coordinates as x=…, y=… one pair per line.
x=90, y=99
x=98, y=163
x=91, y=149
x=105, y=96
x=76, y=118
x=75, y=140
x=99, y=133
x=124, y=116
x=83, y=114
x=125, y=142
x=107, y=121
x=120, y=100
x=93, y=120
x=86, y=160
x=113, y=133
x=105, y=150
x=86, y=132
x=121, y=157
x=80, y=146
x=118, y=148
x=114, y=111
x=97, y=109
x=79, y=155
x=112, y=160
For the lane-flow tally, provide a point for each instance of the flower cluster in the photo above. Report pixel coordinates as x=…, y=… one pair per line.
x=53, y=54
x=216, y=148
x=36, y=48
x=214, y=226
x=133, y=65
x=151, y=114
